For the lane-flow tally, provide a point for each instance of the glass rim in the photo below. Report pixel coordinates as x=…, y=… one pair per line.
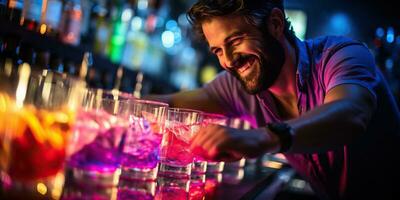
x=214, y=115
x=111, y=92
x=184, y=110
x=151, y=102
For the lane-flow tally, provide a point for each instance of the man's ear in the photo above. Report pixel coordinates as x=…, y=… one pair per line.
x=276, y=23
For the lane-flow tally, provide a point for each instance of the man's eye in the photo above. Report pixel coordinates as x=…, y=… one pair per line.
x=217, y=51
x=236, y=41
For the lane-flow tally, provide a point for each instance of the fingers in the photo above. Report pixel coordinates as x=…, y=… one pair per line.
x=213, y=142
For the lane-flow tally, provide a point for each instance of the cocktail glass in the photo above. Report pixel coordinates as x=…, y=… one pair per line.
x=37, y=111
x=176, y=158
x=212, y=118
x=237, y=123
x=142, y=145
x=99, y=138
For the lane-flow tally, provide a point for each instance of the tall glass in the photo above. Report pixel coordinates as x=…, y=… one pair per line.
x=212, y=118
x=238, y=124
x=99, y=138
x=142, y=146
x=37, y=111
x=176, y=158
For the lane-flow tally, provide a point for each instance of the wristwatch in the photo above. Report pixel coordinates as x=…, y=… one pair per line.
x=284, y=133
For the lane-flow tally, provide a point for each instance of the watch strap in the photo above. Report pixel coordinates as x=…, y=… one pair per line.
x=284, y=133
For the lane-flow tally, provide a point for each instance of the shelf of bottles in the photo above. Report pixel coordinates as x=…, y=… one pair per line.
x=133, y=35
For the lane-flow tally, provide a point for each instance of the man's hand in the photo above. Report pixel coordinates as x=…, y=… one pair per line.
x=221, y=143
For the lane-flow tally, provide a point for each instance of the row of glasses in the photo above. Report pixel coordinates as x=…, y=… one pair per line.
x=48, y=118
x=117, y=138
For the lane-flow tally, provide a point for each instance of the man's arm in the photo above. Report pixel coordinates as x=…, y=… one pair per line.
x=193, y=99
x=343, y=117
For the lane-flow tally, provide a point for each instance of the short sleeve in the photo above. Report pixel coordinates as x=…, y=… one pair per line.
x=351, y=64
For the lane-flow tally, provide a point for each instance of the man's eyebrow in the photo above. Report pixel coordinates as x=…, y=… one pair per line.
x=230, y=36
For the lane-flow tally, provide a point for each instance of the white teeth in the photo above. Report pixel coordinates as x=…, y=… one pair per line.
x=245, y=66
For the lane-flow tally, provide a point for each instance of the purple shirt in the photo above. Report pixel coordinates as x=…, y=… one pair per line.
x=365, y=168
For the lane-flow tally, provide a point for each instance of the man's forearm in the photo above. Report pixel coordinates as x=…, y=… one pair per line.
x=329, y=126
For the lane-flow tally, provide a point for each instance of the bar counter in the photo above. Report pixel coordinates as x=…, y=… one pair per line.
x=253, y=181
x=259, y=179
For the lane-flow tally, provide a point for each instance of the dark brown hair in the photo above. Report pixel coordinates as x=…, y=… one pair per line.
x=255, y=12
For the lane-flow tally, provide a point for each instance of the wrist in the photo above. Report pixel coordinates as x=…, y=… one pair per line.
x=283, y=134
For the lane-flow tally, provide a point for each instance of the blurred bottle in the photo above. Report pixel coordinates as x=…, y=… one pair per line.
x=31, y=14
x=99, y=27
x=50, y=21
x=14, y=11
x=118, y=78
x=121, y=16
x=3, y=9
x=85, y=22
x=70, y=27
x=138, y=85
x=87, y=62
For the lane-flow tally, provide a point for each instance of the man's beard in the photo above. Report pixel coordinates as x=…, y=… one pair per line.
x=267, y=69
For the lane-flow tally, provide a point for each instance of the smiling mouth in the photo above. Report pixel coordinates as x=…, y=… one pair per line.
x=248, y=62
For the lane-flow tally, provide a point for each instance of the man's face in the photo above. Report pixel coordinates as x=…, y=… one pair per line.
x=253, y=56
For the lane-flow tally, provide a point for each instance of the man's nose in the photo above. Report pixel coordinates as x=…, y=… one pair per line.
x=229, y=58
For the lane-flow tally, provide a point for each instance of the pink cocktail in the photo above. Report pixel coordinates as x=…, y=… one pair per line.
x=176, y=157
x=177, y=152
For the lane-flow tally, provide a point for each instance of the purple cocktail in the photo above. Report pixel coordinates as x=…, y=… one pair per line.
x=97, y=145
x=142, y=149
x=141, y=152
